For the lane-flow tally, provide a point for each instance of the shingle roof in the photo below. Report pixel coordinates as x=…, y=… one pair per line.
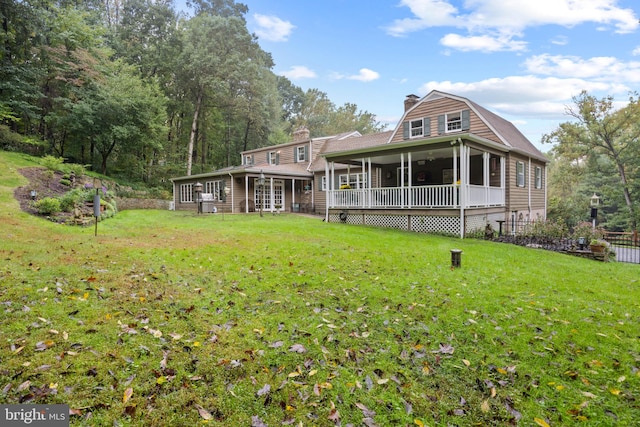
x=351, y=143
x=507, y=131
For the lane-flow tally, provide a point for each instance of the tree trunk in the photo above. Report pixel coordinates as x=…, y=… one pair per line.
x=192, y=136
x=627, y=196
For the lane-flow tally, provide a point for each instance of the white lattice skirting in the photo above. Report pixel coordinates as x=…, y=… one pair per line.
x=436, y=224
x=419, y=223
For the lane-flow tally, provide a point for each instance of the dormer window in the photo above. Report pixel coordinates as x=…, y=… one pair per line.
x=272, y=158
x=454, y=122
x=417, y=128
x=301, y=153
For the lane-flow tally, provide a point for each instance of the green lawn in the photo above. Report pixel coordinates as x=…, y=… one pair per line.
x=169, y=318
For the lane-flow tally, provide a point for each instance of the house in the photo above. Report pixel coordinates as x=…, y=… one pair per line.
x=450, y=166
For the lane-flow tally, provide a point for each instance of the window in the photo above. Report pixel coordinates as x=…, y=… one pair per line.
x=323, y=185
x=186, y=193
x=213, y=187
x=417, y=128
x=272, y=158
x=301, y=153
x=247, y=160
x=538, y=177
x=354, y=180
x=520, y=175
x=454, y=122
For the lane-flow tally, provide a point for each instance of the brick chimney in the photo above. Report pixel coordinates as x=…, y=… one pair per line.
x=410, y=101
x=301, y=134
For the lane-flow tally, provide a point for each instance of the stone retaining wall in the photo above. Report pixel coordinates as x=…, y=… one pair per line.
x=128, y=203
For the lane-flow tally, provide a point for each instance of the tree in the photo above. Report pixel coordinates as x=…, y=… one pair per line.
x=221, y=66
x=599, y=130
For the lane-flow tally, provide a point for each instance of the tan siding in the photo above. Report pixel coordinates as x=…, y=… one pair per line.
x=285, y=153
x=527, y=197
x=433, y=109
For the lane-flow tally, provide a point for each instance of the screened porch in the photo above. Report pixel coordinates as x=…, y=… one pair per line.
x=441, y=177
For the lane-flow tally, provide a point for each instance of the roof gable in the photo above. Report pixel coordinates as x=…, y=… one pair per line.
x=505, y=132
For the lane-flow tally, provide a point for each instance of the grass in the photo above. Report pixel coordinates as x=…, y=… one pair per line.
x=169, y=318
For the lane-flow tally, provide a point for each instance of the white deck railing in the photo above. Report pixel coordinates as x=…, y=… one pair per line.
x=427, y=196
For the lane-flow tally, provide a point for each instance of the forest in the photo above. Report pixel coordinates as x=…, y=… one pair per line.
x=138, y=90
x=142, y=92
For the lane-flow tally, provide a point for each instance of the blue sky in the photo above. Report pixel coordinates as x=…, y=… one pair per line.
x=522, y=59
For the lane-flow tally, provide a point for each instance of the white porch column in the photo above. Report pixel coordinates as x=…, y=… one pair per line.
x=402, y=180
x=455, y=165
x=271, y=194
x=246, y=194
x=293, y=194
x=327, y=191
x=503, y=179
x=528, y=182
x=410, y=191
x=369, y=180
x=463, y=183
x=485, y=177
x=363, y=184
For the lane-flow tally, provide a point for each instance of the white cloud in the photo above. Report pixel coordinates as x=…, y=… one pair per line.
x=636, y=51
x=428, y=13
x=365, y=75
x=525, y=96
x=272, y=28
x=299, y=72
x=599, y=68
x=560, y=41
x=509, y=18
x=484, y=43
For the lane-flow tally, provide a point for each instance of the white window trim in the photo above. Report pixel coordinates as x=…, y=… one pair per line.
x=521, y=180
x=213, y=187
x=421, y=128
x=272, y=157
x=457, y=122
x=356, y=181
x=186, y=193
x=323, y=184
x=247, y=160
x=300, y=151
x=538, y=177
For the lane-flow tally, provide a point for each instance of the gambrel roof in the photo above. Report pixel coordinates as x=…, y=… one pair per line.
x=506, y=133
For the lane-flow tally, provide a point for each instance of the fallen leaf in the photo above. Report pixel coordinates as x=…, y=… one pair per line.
x=466, y=362
x=264, y=390
x=334, y=415
x=485, y=407
x=541, y=422
x=445, y=349
x=298, y=348
x=206, y=415
x=127, y=395
x=257, y=422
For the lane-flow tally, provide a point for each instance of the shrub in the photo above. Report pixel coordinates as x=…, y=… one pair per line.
x=48, y=206
x=71, y=199
x=78, y=170
x=11, y=141
x=52, y=163
x=65, y=181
